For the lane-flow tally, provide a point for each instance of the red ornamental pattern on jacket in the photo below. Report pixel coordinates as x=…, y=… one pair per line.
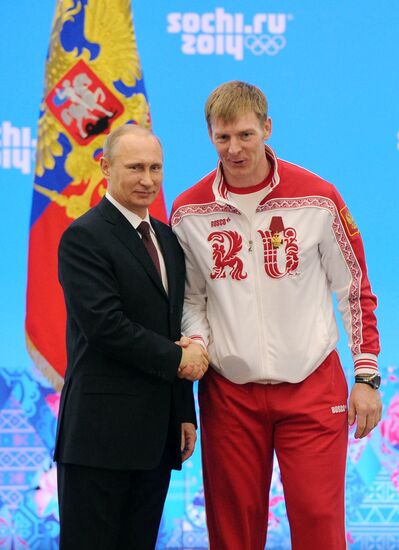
x=226, y=246
x=271, y=242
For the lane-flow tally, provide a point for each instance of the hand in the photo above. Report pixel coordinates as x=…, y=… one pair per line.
x=365, y=404
x=194, y=362
x=184, y=342
x=188, y=439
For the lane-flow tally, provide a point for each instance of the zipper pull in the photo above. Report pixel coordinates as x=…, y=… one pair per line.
x=250, y=246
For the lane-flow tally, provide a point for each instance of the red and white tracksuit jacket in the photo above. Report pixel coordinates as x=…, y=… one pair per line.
x=259, y=290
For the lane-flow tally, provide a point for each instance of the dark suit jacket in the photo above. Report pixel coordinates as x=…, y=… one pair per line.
x=120, y=386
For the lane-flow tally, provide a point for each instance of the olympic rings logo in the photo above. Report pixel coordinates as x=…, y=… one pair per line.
x=265, y=44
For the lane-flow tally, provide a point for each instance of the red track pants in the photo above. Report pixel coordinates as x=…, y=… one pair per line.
x=307, y=426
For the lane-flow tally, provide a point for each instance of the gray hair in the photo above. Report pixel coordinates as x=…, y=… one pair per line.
x=113, y=137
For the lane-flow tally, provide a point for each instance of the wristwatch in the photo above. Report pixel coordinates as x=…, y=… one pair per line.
x=373, y=380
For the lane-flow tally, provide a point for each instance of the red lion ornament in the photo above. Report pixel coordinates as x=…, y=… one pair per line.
x=225, y=247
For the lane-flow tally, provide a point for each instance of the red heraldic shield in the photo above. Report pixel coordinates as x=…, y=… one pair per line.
x=83, y=104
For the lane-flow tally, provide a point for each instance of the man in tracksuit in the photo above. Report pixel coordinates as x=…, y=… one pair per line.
x=267, y=243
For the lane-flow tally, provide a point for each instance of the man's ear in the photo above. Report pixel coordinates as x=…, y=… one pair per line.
x=267, y=131
x=104, y=165
x=210, y=133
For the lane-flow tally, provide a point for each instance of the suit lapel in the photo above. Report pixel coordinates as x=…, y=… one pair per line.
x=129, y=237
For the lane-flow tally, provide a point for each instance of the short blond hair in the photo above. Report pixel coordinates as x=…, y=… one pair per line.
x=113, y=137
x=235, y=98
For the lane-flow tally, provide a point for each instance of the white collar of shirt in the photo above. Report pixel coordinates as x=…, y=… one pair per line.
x=133, y=218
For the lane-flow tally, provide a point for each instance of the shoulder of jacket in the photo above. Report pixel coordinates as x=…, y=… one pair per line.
x=303, y=181
x=200, y=193
x=86, y=223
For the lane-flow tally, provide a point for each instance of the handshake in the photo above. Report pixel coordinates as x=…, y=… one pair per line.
x=194, y=360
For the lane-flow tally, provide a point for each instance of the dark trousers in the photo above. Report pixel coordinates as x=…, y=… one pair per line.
x=111, y=510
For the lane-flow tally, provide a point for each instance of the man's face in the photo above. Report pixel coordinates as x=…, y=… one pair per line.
x=240, y=146
x=134, y=173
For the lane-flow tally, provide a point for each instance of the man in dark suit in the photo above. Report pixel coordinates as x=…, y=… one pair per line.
x=127, y=413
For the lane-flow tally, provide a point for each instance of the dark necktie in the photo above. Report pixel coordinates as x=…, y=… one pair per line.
x=144, y=230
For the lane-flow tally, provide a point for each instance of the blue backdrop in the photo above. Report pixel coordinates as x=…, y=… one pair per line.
x=330, y=72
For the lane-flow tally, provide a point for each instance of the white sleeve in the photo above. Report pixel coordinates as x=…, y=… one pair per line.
x=343, y=259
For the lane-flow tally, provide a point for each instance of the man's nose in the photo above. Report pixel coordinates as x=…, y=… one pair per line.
x=234, y=146
x=146, y=178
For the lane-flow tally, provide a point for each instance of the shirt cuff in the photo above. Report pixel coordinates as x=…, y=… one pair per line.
x=365, y=363
x=198, y=340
